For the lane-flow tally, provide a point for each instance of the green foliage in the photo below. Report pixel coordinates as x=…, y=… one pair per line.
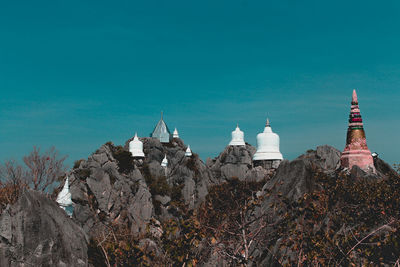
x=82, y=174
x=181, y=239
x=116, y=246
x=77, y=163
x=124, y=159
x=160, y=186
x=224, y=217
x=9, y=193
x=327, y=224
x=225, y=201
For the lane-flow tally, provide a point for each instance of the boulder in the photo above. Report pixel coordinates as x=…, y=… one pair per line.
x=236, y=162
x=35, y=231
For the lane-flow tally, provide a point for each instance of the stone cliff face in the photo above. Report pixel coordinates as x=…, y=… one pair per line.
x=36, y=232
x=112, y=187
x=297, y=190
x=236, y=162
x=160, y=206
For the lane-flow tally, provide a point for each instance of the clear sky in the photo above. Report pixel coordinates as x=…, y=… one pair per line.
x=76, y=74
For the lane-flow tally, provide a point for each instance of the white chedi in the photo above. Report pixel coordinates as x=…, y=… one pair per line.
x=64, y=199
x=267, y=145
x=175, y=134
x=188, y=152
x=164, y=162
x=136, y=147
x=237, y=137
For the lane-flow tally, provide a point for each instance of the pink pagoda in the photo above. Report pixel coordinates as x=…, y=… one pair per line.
x=356, y=151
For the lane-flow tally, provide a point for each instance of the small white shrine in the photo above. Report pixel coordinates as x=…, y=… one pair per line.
x=136, y=147
x=164, y=162
x=64, y=199
x=268, y=148
x=175, y=134
x=237, y=137
x=188, y=152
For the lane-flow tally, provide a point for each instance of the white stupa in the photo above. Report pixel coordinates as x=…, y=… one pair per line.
x=64, y=198
x=136, y=147
x=268, y=146
x=175, y=134
x=237, y=137
x=164, y=162
x=188, y=152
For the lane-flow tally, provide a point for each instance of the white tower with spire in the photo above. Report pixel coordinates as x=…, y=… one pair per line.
x=175, y=134
x=188, y=152
x=136, y=147
x=268, y=148
x=164, y=162
x=64, y=199
x=237, y=137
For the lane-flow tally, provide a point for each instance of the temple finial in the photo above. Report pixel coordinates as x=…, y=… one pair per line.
x=267, y=124
x=354, y=100
x=135, y=135
x=161, y=114
x=237, y=125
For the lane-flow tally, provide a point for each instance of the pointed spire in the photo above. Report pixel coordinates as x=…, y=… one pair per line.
x=354, y=99
x=164, y=162
x=135, y=138
x=356, y=151
x=64, y=197
x=161, y=115
x=66, y=184
x=267, y=124
x=175, y=134
x=188, y=152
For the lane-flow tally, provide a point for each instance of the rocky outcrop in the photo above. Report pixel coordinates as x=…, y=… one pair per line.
x=111, y=186
x=188, y=173
x=295, y=178
x=291, y=182
x=104, y=194
x=236, y=162
x=36, y=232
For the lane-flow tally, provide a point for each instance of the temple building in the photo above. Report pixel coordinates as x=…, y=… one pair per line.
x=356, y=151
x=64, y=199
x=164, y=162
x=188, y=152
x=237, y=137
x=267, y=154
x=175, y=134
x=161, y=131
x=136, y=147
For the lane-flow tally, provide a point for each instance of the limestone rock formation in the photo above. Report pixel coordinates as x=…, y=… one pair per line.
x=35, y=231
x=292, y=181
x=236, y=162
x=107, y=190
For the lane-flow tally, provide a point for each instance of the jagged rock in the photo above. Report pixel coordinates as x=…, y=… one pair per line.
x=109, y=188
x=294, y=179
x=382, y=168
x=103, y=193
x=150, y=247
x=35, y=231
x=236, y=162
x=163, y=199
x=190, y=173
x=325, y=157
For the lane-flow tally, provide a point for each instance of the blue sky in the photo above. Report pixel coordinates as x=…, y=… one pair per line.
x=76, y=74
